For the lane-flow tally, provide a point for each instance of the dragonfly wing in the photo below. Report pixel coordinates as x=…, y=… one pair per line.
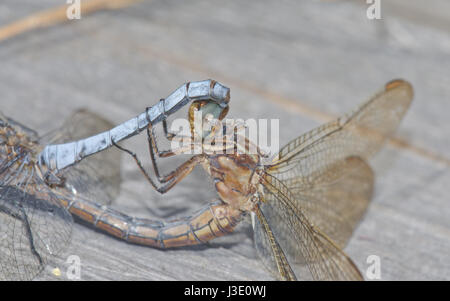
x=6, y=121
x=337, y=206
x=325, y=168
x=269, y=250
x=303, y=243
x=358, y=134
x=33, y=224
x=98, y=176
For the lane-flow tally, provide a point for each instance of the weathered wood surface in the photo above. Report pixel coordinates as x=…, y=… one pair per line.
x=300, y=61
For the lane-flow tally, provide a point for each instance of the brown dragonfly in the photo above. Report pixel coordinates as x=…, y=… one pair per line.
x=306, y=202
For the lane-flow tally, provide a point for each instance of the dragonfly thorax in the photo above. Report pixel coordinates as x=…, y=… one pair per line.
x=235, y=179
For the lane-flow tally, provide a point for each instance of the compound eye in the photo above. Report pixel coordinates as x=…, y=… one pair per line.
x=213, y=110
x=210, y=113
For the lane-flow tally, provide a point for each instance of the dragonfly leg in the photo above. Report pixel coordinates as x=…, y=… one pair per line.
x=167, y=134
x=170, y=180
x=180, y=173
x=153, y=149
x=152, y=139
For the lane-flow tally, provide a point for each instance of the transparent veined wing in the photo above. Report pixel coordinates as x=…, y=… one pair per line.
x=326, y=168
x=96, y=177
x=33, y=224
x=33, y=228
x=6, y=121
x=269, y=250
x=305, y=246
x=358, y=134
x=337, y=206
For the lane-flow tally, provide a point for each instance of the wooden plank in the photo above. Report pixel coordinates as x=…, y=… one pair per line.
x=299, y=62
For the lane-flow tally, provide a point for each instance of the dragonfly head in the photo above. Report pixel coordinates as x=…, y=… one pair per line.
x=205, y=117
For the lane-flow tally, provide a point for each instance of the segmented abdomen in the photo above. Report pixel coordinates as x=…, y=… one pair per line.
x=214, y=220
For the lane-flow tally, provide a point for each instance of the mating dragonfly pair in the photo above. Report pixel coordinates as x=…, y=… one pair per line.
x=304, y=204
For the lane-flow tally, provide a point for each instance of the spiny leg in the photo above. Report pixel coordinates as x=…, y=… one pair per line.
x=181, y=172
x=138, y=162
x=151, y=135
x=169, y=135
x=173, y=178
x=153, y=149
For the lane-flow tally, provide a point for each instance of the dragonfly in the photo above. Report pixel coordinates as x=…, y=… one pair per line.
x=305, y=203
x=46, y=181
